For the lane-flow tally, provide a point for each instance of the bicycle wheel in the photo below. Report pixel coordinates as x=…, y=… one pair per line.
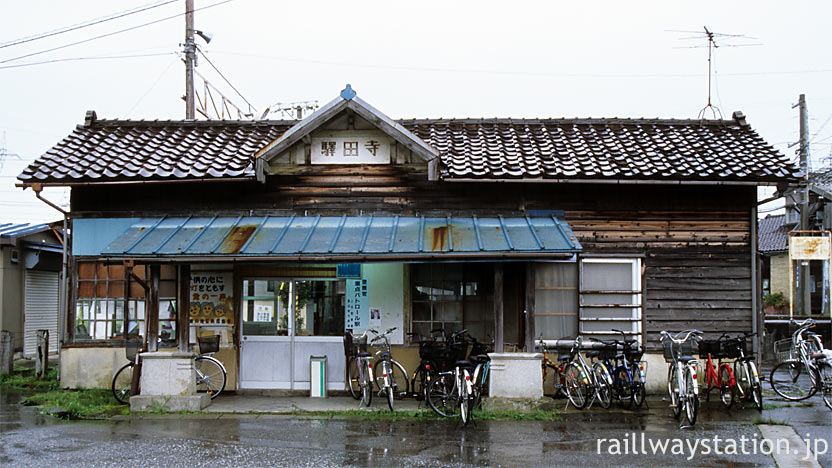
x=791, y=380
x=398, y=380
x=673, y=390
x=639, y=394
x=756, y=385
x=603, y=382
x=353, y=379
x=743, y=382
x=464, y=403
x=692, y=399
x=726, y=390
x=625, y=389
x=121, y=383
x=825, y=382
x=442, y=396
x=577, y=388
x=480, y=383
x=210, y=376
x=366, y=384
x=418, y=382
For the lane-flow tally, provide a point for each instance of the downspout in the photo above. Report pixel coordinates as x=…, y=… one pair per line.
x=756, y=318
x=62, y=305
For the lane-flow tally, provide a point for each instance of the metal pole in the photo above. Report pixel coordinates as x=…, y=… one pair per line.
x=190, y=57
x=804, y=292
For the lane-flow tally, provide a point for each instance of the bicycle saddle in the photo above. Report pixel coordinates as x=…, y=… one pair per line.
x=463, y=364
x=364, y=354
x=564, y=358
x=592, y=354
x=685, y=359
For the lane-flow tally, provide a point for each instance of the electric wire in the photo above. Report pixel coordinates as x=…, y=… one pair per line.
x=158, y=79
x=113, y=33
x=224, y=78
x=86, y=24
x=75, y=59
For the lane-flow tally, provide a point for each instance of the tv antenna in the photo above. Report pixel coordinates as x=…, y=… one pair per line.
x=725, y=40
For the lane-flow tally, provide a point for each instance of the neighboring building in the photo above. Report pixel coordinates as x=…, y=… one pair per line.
x=773, y=245
x=278, y=235
x=30, y=267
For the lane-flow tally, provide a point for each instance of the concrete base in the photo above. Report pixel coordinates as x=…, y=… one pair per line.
x=516, y=375
x=519, y=404
x=169, y=402
x=168, y=373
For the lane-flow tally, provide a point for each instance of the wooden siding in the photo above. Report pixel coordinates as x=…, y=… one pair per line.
x=695, y=239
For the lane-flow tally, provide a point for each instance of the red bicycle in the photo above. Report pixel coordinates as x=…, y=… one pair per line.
x=720, y=376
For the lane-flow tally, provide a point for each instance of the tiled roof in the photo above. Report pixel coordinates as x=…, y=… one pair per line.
x=112, y=150
x=610, y=149
x=822, y=182
x=603, y=149
x=773, y=234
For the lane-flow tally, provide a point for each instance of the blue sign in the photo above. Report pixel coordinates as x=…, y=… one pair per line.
x=356, y=299
x=349, y=270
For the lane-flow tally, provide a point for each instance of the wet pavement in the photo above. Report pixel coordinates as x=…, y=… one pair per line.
x=263, y=439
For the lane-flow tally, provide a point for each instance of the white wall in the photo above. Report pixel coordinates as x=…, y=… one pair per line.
x=386, y=291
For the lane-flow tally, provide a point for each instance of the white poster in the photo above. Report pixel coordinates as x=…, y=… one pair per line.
x=375, y=319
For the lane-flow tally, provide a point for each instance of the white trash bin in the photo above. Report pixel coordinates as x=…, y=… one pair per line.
x=317, y=376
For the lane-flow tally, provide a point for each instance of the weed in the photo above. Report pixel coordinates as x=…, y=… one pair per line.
x=79, y=404
x=25, y=379
x=769, y=421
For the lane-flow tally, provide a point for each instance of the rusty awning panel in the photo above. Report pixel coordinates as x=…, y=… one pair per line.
x=346, y=236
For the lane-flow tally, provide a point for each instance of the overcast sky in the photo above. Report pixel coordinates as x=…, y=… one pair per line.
x=413, y=59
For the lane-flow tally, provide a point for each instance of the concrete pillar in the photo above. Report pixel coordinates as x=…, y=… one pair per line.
x=516, y=375
x=168, y=380
x=6, y=352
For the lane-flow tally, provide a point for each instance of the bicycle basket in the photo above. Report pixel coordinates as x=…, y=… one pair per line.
x=712, y=347
x=208, y=344
x=608, y=352
x=634, y=352
x=672, y=351
x=784, y=350
x=458, y=351
x=734, y=348
x=131, y=349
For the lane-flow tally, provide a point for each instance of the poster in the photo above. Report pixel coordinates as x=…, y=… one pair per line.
x=212, y=298
x=356, y=314
x=375, y=319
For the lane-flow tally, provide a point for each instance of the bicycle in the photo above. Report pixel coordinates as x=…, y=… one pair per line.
x=429, y=354
x=599, y=380
x=682, y=386
x=391, y=378
x=482, y=366
x=723, y=380
x=569, y=379
x=446, y=394
x=210, y=373
x=359, y=368
x=745, y=370
x=805, y=367
x=628, y=376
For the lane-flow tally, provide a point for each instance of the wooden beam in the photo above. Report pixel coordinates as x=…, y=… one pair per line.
x=152, y=312
x=183, y=307
x=498, y=308
x=530, y=312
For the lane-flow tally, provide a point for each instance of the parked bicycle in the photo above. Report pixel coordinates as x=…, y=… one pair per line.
x=359, y=368
x=482, y=367
x=210, y=373
x=391, y=377
x=622, y=360
x=568, y=378
x=805, y=368
x=430, y=354
x=682, y=386
x=598, y=377
x=722, y=379
x=449, y=392
x=747, y=378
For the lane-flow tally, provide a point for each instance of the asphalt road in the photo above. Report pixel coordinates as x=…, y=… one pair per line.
x=586, y=439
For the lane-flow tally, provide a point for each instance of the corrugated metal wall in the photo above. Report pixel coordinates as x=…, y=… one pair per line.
x=41, y=309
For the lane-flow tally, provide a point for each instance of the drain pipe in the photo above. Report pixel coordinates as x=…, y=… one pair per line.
x=62, y=302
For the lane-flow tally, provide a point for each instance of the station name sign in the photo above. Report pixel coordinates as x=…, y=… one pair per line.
x=350, y=149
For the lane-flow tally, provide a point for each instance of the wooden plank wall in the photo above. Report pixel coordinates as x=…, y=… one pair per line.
x=697, y=265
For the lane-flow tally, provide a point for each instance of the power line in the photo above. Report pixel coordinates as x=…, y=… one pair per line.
x=224, y=78
x=75, y=59
x=112, y=33
x=505, y=72
x=86, y=24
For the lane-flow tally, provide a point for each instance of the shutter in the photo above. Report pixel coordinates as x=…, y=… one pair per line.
x=41, y=310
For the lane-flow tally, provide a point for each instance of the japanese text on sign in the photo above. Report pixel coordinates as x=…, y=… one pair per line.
x=355, y=313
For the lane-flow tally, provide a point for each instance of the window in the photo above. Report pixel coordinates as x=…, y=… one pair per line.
x=453, y=296
x=319, y=307
x=100, y=304
x=556, y=300
x=610, y=297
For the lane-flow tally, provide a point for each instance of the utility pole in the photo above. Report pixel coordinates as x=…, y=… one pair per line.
x=190, y=58
x=804, y=292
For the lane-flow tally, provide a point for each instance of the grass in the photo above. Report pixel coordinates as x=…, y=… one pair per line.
x=78, y=404
x=25, y=380
x=769, y=421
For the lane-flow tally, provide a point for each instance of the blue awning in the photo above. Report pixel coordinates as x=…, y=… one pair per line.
x=319, y=237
